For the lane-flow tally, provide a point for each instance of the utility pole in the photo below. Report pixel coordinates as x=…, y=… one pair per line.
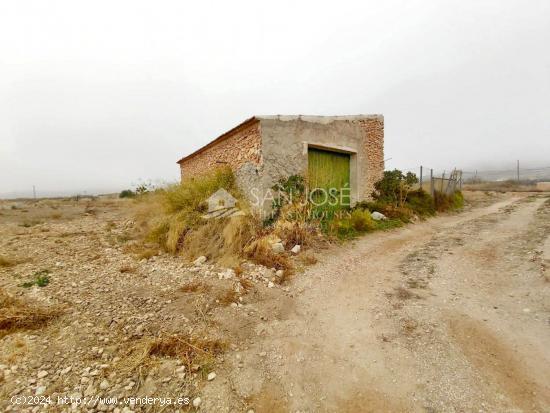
x=518, y=170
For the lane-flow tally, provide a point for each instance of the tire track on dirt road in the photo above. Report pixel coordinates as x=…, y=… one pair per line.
x=488, y=349
x=349, y=347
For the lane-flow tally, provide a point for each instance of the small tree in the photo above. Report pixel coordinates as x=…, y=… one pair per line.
x=127, y=193
x=394, y=187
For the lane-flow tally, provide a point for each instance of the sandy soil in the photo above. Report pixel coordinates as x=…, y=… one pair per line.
x=447, y=315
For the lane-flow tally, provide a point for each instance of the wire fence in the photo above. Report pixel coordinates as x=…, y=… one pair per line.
x=431, y=179
x=541, y=174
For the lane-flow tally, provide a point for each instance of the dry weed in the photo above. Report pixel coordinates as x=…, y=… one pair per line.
x=260, y=252
x=127, y=269
x=403, y=294
x=12, y=350
x=227, y=297
x=7, y=262
x=308, y=258
x=246, y=284
x=16, y=315
x=196, y=287
x=192, y=352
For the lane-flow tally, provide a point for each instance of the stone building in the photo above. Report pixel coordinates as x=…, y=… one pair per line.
x=344, y=152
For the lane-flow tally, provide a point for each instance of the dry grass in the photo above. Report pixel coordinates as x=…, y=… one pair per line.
x=408, y=326
x=403, y=294
x=127, y=269
x=308, y=258
x=13, y=350
x=7, y=262
x=227, y=297
x=16, y=315
x=192, y=352
x=246, y=284
x=196, y=287
x=11, y=262
x=260, y=251
x=141, y=251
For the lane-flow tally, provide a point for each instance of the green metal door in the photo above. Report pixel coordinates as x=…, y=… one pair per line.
x=329, y=178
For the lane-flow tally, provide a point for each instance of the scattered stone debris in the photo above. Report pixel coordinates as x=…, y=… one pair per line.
x=199, y=261
x=378, y=216
x=295, y=249
x=278, y=247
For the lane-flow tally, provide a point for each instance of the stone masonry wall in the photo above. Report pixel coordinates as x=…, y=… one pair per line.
x=242, y=147
x=373, y=150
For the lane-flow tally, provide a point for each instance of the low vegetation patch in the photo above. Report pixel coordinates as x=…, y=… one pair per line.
x=17, y=315
x=196, y=354
x=196, y=287
x=174, y=219
x=11, y=261
x=40, y=279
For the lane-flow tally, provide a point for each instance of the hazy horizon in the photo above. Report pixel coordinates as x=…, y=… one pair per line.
x=98, y=97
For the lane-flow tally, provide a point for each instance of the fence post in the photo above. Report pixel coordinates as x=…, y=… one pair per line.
x=420, y=177
x=442, y=180
x=432, y=183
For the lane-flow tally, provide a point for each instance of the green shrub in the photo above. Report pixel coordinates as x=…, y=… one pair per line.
x=41, y=279
x=388, y=224
x=444, y=202
x=458, y=200
x=287, y=190
x=191, y=194
x=421, y=203
x=394, y=187
x=343, y=229
x=362, y=221
x=127, y=193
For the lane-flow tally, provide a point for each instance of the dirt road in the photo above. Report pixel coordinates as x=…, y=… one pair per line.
x=447, y=315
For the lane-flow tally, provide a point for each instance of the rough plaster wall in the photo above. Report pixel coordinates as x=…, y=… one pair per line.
x=372, y=155
x=283, y=148
x=271, y=149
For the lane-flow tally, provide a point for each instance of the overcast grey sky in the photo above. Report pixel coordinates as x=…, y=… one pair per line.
x=95, y=95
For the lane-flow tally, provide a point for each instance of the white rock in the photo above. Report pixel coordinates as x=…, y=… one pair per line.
x=211, y=376
x=296, y=249
x=227, y=274
x=104, y=385
x=197, y=402
x=270, y=285
x=526, y=310
x=278, y=247
x=40, y=390
x=199, y=261
x=279, y=273
x=41, y=374
x=377, y=216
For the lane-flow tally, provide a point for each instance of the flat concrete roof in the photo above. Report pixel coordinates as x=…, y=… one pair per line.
x=318, y=119
x=283, y=118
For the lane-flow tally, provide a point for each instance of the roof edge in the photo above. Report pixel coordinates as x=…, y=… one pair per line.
x=220, y=138
x=284, y=118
